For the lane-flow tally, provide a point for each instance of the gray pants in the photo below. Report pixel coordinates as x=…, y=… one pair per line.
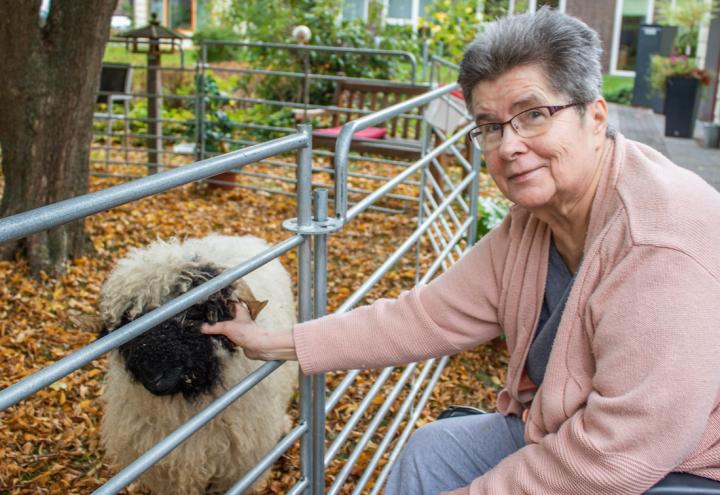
x=450, y=453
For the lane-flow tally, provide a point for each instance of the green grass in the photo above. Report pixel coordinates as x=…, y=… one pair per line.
x=117, y=53
x=613, y=83
x=618, y=89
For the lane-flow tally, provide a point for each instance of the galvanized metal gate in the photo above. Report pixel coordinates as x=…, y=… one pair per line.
x=447, y=217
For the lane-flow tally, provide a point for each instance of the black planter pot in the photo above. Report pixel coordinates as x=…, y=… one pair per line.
x=681, y=105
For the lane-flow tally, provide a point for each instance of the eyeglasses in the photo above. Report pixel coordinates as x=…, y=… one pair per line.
x=528, y=123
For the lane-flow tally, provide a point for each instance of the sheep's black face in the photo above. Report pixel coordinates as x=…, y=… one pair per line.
x=175, y=357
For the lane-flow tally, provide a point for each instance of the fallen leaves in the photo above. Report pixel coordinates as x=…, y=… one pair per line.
x=49, y=443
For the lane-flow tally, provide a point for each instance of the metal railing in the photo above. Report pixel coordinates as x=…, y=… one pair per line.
x=446, y=223
x=121, y=146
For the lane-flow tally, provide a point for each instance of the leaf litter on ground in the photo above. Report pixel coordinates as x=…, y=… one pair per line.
x=49, y=443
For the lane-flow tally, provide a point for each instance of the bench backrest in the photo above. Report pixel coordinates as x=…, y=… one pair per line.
x=376, y=95
x=115, y=78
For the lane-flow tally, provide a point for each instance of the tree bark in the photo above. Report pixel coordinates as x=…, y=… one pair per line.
x=51, y=72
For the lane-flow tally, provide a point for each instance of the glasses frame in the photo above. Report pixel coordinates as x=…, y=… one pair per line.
x=475, y=134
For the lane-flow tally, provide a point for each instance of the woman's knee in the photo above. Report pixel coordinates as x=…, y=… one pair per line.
x=427, y=438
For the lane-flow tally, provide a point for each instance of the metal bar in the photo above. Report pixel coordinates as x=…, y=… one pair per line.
x=357, y=414
x=304, y=219
x=447, y=179
x=45, y=217
x=342, y=146
x=311, y=75
x=299, y=487
x=267, y=461
x=446, y=252
x=320, y=48
x=293, y=181
x=444, y=62
x=200, y=108
x=474, y=187
x=443, y=222
x=336, y=394
x=399, y=252
x=426, y=130
x=372, y=427
x=435, y=244
x=32, y=383
x=409, y=426
x=318, y=385
x=362, y=205
x=390, y=432
x=136, y=468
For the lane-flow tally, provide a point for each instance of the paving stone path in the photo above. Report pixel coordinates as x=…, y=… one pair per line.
x=642, y=124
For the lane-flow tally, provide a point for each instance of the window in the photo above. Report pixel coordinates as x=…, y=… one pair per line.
x=400, y=9
x=628, y=17
x=180, y=15
x=406, y=11
x=353, y=9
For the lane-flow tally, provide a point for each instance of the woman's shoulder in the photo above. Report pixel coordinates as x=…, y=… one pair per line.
x=666, y=205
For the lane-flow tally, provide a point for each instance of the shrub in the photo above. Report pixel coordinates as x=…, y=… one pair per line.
x=218, y=53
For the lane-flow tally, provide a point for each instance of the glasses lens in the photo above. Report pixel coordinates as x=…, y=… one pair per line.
x=487, y=136
x=531, y=123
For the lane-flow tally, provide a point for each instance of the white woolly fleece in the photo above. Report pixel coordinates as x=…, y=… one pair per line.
x=215, y=457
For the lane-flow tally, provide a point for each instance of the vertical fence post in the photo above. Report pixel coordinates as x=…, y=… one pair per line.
x=317, y=427
x=304, y=219
x=200, y=104
x=425, y=138
x=474, y=189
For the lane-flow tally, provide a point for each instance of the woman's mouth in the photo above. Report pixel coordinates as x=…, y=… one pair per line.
x=523, y=176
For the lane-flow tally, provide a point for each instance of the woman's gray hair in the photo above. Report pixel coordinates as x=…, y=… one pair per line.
x=566, y=48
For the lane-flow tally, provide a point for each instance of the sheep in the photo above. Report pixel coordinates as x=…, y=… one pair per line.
x=164, y=377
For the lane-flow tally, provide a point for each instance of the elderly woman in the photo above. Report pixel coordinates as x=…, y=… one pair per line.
x=604, y=278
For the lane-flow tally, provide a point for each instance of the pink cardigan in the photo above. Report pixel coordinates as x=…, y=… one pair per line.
x=632, y=387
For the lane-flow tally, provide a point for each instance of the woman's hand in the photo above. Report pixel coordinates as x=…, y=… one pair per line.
x=257, y=343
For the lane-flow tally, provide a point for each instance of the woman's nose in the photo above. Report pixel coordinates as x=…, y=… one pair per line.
x=510, y=143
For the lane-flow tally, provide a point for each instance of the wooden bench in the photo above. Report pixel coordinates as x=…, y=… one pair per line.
x=399, y=137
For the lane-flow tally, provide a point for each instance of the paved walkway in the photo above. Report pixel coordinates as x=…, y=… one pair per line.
x=642, y=124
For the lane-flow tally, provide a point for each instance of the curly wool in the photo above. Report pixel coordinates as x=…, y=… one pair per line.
x=135, y=418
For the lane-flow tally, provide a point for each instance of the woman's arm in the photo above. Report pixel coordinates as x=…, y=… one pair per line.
x=455, y=311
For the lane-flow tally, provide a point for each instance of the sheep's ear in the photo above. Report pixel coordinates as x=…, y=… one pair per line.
x=246, y=296
x=254, y=307
x=88, y=323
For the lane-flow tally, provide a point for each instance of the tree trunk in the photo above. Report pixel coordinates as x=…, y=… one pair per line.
x=50, y=70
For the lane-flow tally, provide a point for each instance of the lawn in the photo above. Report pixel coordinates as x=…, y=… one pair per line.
x=618, y=89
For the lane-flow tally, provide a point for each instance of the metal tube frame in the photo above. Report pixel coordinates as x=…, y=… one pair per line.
x=311, y=231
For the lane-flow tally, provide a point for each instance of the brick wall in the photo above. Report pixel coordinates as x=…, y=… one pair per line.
x=598, y=15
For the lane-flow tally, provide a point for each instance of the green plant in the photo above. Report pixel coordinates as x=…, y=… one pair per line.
x=688, y=16
x=452, y=24
x=273, y=20
x=618, y=89
x=661, y=68
x=218, y=127
x=491, y=213
x=219, y=52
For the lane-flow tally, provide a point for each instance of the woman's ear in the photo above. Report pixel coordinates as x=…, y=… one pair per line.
x=598, y=111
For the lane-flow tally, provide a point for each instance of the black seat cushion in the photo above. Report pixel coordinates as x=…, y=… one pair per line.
x=685, y=484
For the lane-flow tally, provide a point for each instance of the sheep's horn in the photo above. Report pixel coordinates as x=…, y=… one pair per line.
x=246, y=296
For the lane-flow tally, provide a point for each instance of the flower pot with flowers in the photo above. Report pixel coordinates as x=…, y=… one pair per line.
x=679, y=79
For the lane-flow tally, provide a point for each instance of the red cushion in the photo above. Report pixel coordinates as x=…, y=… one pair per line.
x=369, y=133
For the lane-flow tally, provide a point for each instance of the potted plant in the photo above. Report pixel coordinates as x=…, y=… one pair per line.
x=679, y=79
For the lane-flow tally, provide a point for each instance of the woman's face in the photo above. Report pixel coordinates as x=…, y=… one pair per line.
x=551, y=171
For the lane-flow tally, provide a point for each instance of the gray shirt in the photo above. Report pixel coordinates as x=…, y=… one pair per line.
x=557, y=288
